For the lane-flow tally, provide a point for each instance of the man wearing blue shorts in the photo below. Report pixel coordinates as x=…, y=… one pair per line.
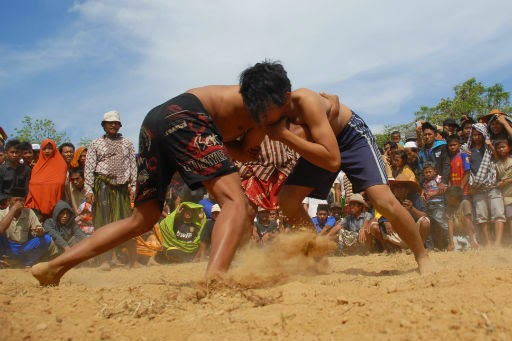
x=331, y=133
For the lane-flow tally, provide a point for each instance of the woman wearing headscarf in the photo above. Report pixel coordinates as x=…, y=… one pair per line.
x=46, y=184
x=79, y=158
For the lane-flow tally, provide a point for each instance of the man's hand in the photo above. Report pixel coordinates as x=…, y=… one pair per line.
x=17, y=207
x=407, y=204
x=276, y=130
x=39, y=231
x=89, y=198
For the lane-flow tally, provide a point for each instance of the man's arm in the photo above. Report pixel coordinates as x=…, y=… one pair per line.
x=322, y=149
x=248, y=147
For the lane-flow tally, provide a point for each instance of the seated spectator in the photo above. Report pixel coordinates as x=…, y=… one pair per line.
x=354, y=229
x=433, y=196
x=46, y=186
x=311, y=204
x=460, y=221
x=264, y=228
x=206, y=235
x=208, y=203
x=84, y=218
x=75, y=190
x=407, y=193
x=63, y=228
x=323, y=221
x=337, y=211
x=13, y=174
x=181, y=233
x=78, y=160
x=22, y=238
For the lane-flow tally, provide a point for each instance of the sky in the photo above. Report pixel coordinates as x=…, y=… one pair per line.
x=72, y=61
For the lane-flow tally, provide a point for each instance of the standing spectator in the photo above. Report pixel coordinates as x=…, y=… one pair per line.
x=435, y=151
x=67, y=150
x=46, y=185
x=459, y=165
x=79, y=158
x=436, y=209
x=500, y=125
x=460, y=220
x=21, y=235
x=110, y=176
x=2, y=155
x=399, y=166
x=504, y=176
x=12, y=172
x=411, y=150
x=449, y=127
x=63, y=228
x=487, y=198
x=465, y=131
x=27, y=154
x=395, y=137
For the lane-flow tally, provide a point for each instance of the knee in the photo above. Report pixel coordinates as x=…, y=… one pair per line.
x=46, y=240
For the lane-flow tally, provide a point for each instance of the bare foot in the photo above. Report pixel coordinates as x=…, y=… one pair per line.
x=135, y=265
x=44, y=274
x=427, y=266
x=152, y=262
x=105, y=266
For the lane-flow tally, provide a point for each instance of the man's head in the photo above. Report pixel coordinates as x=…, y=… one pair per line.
x=502, y=147
x=454, y=195
x=453, y=144
x=395, y=136
x=67, y=150
x=215, y=211
x=322, y=212
x=411, y=149
x=76, y=178
x=450, y=126
x=356, y=204
x=429, y=134
x=17, y=194
x=263, y=215
x=477, y=137
x=401, y=186
x=265, y=86
x=13, y=153
x=27, y=153
x=111, y=123
x=336, y=210
x=466, y=128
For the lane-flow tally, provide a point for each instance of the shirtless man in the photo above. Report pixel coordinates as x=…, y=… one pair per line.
x=267, y=94
x=197, y=134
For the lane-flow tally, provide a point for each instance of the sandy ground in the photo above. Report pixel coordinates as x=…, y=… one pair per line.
x=272, y=294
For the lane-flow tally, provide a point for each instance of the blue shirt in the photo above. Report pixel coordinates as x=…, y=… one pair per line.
x=331, y=221
x=353, y=223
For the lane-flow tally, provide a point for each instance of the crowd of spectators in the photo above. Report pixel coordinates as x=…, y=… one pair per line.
x=454, y=180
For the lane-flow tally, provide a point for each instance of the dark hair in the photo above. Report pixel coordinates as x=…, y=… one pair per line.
x=395, y=132
x=77, y=170
x=25, y=145
x=452, y=138
x=14, y=143
x=66, y=144
x=402, y=155
x=501, y=140
x=322, y=207
x=429, y=164
x=427, y=125
x=263, y=85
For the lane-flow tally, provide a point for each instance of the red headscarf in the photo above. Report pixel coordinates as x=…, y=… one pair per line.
x=47, y=180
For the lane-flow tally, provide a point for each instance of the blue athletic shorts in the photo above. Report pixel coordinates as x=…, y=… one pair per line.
x=360, y=160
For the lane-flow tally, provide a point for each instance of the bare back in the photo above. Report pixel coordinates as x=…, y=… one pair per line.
x=225, y=104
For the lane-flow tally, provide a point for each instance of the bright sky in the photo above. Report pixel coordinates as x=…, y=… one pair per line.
x=72, y=61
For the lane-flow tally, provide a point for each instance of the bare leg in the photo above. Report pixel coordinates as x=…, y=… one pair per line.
x=484, y=228
x=403, y=223
x=109, y=236
x=231, y=224
x=499, y=226
x=290, y=202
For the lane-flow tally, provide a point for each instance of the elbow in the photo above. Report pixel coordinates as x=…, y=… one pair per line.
x=334, y=165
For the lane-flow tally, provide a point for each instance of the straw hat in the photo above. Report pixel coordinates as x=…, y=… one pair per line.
x=402, y=180
x=356, y=197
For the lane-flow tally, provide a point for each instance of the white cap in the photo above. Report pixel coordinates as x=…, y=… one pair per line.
x=111, y=116
x=410, y=144
x=216, y=208
x=36, y=146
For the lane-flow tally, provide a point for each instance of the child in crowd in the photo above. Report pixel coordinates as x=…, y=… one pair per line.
x=487, y=198
x=504, y=176
x=84, y=218
x=460, y=220
x=323, y=221
x=63, y=228
x=434, y=200
x=459, y=165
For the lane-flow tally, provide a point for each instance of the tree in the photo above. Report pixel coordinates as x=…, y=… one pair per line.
x=35, y=131
x=84, y=142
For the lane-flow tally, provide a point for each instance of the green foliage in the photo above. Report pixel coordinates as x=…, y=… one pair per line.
x=471, y=98
x=35, y=131
x=84, y=142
